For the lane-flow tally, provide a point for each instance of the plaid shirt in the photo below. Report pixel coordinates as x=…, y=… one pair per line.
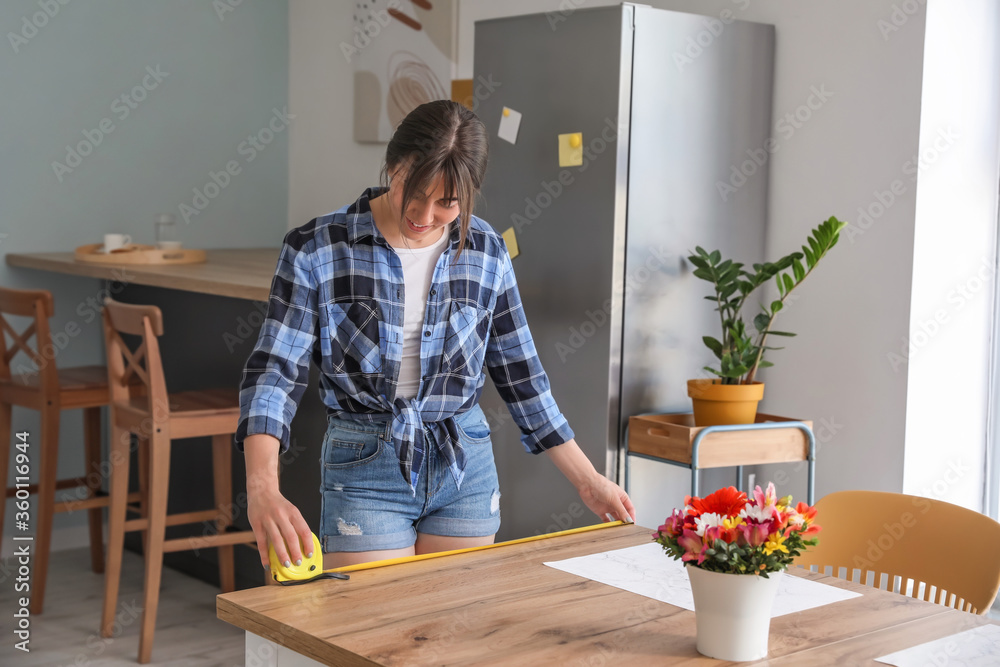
x=337, y=296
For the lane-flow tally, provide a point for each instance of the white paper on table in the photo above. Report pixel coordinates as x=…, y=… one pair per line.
x=647, y=571
x=979, y=647
x=510, y=121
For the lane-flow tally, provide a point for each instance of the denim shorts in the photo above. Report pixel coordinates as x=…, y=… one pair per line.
x=368, y=506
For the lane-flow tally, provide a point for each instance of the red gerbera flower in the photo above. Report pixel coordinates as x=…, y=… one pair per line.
x=724, y=502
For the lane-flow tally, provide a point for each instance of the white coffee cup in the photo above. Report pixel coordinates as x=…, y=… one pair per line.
x=116, y=241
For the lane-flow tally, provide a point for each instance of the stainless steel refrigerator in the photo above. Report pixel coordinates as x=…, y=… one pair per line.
x=674, y=111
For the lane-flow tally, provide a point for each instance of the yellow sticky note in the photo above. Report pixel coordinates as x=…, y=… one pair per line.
x=571, y=149
x=511, y=240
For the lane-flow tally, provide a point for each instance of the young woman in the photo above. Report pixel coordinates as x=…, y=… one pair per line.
x=402, y=299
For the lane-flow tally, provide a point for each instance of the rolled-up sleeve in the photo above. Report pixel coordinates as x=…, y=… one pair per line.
x=277, y=371
x=517, y=371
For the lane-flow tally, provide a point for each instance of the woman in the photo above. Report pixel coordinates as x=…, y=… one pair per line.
x=402, y=299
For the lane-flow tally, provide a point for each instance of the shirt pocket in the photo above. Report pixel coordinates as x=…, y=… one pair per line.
x=354, y=337
x=466, y=334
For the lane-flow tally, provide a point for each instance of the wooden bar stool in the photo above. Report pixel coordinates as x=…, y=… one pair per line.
x=156, y=418
x=49, y=390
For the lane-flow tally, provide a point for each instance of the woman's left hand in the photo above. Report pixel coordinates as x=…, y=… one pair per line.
x=604, y=498
x=599, y=493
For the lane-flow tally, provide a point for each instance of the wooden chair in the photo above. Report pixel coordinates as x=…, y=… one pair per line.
x=155, y=419
x=44, y=387
x=906, y=538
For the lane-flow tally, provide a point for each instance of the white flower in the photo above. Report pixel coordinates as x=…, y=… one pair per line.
x=709, y=520
x=757, y=513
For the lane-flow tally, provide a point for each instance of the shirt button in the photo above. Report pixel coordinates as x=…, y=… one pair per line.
x=433, y=292
x=427, y=334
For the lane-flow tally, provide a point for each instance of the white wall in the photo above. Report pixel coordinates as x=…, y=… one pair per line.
x=327, y=168
x=850, y=313
x=220, y=77
x=947, y=347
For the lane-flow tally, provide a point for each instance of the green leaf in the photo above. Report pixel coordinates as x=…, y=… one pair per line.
x=714, y=345
x=810, y=257
x=715, y=257
x=766, y=364
x=761, y=322
x=776, y=307
x=800, y=273
x=781, y=286
x=789, y=285
x=817, y=251
x=698, y=262
x=780, y=333
x=704, y=274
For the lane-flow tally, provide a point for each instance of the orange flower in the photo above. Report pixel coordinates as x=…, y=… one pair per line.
x=724, y=502
x=808, y=515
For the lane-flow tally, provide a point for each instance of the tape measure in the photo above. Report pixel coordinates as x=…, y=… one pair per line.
x=312, y=568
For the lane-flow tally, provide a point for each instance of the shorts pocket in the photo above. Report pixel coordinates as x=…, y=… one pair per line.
x=473, y=428
x=344, y=451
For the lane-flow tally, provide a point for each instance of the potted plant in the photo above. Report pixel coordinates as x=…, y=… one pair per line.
x=732, y=397
x=735, y=549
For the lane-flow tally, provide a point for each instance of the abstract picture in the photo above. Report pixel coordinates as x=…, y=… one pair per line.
x=403, y=55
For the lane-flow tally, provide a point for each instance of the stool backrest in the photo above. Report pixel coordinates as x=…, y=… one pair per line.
x=920, y=540
x=38, y=305
x=126, y=365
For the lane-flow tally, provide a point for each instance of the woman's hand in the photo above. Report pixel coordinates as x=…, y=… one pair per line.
x=276, y=520
x=605, y=498
x=599, y=493
x=272, y=517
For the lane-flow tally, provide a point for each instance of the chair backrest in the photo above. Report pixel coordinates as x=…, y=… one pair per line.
x=954, y=552
x=38, y=305
x=144, y=363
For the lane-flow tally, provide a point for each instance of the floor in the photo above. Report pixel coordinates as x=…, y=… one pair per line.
x=66, y=635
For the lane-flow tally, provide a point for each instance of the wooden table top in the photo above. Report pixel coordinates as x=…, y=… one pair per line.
x=503, y=606
x=239, y=273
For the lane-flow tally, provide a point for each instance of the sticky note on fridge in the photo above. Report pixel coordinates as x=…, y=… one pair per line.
x=571, y=149
x=510, y=121
x=511, y=240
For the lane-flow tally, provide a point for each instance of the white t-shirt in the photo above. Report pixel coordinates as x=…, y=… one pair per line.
x=418, y=271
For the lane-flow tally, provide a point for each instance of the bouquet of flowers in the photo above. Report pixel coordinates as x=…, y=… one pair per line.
x=730, y=533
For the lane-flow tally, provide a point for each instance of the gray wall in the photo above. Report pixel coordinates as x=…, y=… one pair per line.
x=222, y=77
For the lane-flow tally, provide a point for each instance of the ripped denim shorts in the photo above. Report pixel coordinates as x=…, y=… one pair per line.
x=367, y=506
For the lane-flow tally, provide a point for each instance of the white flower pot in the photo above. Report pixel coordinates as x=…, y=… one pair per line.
x=733, y=613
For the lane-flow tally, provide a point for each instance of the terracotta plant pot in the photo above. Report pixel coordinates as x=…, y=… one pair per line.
x=717, y=404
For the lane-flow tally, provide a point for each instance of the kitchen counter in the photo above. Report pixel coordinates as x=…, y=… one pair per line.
x=241, y=273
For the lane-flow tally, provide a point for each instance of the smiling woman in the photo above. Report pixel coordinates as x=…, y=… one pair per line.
x=404, y=300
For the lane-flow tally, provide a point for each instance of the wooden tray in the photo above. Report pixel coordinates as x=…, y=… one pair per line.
x=670, y=437
x=138, y=254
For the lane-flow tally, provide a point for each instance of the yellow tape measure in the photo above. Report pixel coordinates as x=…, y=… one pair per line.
x=312, y=568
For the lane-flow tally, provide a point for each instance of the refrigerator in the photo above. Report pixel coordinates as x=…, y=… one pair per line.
x=673, y=113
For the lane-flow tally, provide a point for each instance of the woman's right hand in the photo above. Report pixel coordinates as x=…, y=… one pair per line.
x=272, y=517
x=276, y=520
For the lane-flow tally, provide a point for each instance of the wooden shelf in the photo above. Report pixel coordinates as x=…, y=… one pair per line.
x=674, y=439
x=671, y=437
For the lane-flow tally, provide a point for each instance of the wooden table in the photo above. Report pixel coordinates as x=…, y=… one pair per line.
x=239, y=273
x=502, y=606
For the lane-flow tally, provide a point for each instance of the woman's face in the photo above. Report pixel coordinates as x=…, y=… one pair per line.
x=427, y=211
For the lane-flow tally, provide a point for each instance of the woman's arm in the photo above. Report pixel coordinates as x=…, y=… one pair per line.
x=599, y=493
x=272, y=517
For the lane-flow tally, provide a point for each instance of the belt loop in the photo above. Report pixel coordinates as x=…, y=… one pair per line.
x=387, y=435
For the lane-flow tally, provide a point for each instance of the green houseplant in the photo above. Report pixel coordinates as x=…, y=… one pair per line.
x=741, y=349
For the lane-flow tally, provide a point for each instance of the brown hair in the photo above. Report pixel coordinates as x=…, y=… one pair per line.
x=440, y=138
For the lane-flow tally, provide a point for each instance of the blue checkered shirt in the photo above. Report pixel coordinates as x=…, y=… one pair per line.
x=337, y=297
